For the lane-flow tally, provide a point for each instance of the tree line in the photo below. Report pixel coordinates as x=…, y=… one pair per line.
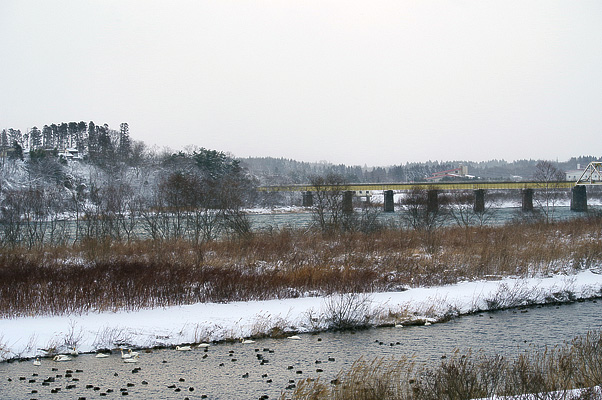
x=280, y=171
x=96, y=142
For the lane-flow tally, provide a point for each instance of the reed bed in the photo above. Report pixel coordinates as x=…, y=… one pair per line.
x=109, y=275
x=543, y=374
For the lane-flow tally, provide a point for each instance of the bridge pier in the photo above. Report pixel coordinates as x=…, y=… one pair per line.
x=308, y=199
x=389, y=203
x=579, y=199
x=527, y=199
x=479, y=201
x=432, y=202
x=348, y=201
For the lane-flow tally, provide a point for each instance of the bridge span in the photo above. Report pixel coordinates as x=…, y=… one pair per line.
x=467, y=185
x=527, y=188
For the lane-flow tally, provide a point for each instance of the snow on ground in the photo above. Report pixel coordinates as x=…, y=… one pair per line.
x=568, y=394
x=24, y=337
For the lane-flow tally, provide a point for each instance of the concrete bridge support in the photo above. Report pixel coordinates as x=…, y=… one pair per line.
x=432, y=202
x=579, y=199
x=348, y=201
x=527, y=199
x=479, y=201
x=389, y=203
x=308, y=199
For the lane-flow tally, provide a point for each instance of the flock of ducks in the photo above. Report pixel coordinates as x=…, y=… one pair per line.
x=132, y=356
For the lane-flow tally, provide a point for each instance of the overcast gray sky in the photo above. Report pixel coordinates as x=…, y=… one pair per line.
x=375, y=82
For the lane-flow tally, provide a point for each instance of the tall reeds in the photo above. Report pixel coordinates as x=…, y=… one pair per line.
x=110, y=275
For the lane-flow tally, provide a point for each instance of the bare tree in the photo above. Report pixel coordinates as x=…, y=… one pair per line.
x=418, y=215
x=547, y=196
x=328, y=205
x=461, y=209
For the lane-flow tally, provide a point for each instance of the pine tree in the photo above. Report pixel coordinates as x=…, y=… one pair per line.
x=80, y=138
x=125, y=144
x=92, y=141
x=4, y=138
x=71, y=134
x=54, y=138
x=35, y=137
x=63, y=135
x=14, y=135
x=46, y=137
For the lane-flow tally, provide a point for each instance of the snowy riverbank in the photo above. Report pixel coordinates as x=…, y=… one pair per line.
x=25, y=337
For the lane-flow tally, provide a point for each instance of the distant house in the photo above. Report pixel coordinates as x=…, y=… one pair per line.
x=574, y=174
x=70, y=154
x=457, y=173
x=593, y=174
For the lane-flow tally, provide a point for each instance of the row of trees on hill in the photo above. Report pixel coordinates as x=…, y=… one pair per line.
x=195, y=195
x=98, y=142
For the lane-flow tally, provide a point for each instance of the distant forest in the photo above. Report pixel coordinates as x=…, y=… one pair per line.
x=100, y=145
x=276, y=171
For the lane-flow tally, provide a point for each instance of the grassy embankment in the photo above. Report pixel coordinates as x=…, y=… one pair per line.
x=108, y=275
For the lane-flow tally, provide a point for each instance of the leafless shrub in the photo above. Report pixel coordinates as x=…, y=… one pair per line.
x=203, y=333
x=5, y=353
x=73, y=336
x=348, y=310
x=267, y=325
x=53, y=346
x=111, y=337
x=520, y=294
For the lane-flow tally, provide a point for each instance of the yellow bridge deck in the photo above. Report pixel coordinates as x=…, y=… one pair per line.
x=491, y=185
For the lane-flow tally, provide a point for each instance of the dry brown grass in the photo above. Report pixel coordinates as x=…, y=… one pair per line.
x=108, y=275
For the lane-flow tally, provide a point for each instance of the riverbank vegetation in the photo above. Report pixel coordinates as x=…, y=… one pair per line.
x=100, y=275
x=568, y=372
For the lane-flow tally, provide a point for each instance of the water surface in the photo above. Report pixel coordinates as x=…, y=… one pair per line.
x=270, y=366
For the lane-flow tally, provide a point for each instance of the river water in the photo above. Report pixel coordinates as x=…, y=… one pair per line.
x=270, y=367
x=493, y=216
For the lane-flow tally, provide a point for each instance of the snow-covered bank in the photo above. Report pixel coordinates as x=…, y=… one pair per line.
x=25, y=337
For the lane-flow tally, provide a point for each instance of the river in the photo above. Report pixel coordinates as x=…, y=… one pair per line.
x=270, y=366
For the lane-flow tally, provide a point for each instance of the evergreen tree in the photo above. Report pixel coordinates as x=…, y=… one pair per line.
x=4, y=138
x=17, y=152
x=80, y=139
x=46, y=137
x=35, y=137
x=63, y=135
x=92, y=141
x=105, y=145
x=54, y=137
x=14, y=135
x=72, y=129
x=125, y=144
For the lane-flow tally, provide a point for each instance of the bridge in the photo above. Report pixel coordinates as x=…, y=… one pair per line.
x=527, y=188
x=592, y=175
x=443, y=186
